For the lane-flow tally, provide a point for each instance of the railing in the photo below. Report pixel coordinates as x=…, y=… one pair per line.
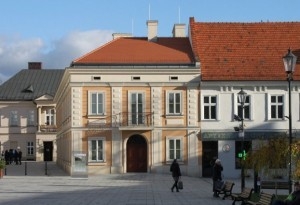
x=125, y=119
x=132, y=119
x=48, y=128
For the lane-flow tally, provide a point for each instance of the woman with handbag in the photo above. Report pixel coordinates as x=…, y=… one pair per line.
x=176, y=174
x=217, y=175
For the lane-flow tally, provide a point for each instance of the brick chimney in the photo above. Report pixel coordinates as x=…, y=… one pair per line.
x=34, y=65
x=152, y=30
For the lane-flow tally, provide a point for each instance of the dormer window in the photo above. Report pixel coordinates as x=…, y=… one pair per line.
x=29, y=89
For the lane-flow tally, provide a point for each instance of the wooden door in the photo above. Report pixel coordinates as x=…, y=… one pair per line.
x=136, y=154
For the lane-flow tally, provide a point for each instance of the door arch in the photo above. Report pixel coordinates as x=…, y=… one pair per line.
x=136, y=154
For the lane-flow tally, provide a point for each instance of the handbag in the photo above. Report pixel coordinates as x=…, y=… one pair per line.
x=180, y=184
x=220, y=185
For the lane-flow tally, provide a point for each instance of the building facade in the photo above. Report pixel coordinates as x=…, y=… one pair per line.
x=28, y=114
x=131, y=106
x=248, y=56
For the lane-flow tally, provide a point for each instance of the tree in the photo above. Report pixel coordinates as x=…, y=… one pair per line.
x=270, y=157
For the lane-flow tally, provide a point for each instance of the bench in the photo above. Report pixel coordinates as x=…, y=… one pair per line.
x=274, y=185
x=243, y=197
x=227, y=189
x=264, y=199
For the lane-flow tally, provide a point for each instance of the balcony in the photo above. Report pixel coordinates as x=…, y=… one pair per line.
x=123, y=121
x=48, y=128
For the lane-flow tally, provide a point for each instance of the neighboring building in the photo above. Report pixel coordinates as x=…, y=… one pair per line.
x=131, y=106
x=249, y=56
x=27, y=112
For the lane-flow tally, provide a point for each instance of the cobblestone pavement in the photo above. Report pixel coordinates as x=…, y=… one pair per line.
x=53, y=186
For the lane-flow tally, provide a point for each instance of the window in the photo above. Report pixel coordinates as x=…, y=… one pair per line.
x=30, y=118
x=97, y=150
x=30, y=149
x=174, y=149
x=246, y=108
x=50, y=117
x=136, y=108
x=276, y=107
x=174, y=103
x=96, y=105
x=14, y=118
x=210, y=107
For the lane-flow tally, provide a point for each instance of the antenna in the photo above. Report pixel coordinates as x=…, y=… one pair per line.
x=149, y=12
x=132, y=27
x=179, y=14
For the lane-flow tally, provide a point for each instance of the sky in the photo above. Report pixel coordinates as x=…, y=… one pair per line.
x=56, y=32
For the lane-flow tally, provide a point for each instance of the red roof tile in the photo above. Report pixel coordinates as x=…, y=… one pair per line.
x=245, y=51
x=141, y=51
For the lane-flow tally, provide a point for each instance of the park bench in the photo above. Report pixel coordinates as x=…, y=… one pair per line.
x=243, y=196
x=264, y=199
x=274, y=185
x=226, y=190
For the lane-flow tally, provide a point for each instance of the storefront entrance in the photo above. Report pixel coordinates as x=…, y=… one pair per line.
x=210, y=154
x=136, y=154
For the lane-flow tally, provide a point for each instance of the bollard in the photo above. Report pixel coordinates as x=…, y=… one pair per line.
x=46, y=168
x=5, y=171
x=25, y=168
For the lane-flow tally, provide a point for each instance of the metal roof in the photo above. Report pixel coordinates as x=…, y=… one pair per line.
x=30, y=84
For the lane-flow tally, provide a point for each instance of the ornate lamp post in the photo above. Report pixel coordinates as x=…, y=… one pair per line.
x=241, y=99
x=289, y=61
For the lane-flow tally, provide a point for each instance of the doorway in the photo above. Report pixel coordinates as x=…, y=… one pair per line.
x=210, y=154
x=48, y=151
x=136, y=154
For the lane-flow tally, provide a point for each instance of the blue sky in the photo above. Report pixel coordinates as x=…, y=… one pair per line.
x=56, y=32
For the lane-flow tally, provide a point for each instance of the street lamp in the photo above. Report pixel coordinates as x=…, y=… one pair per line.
x=289, y=61
x=242, y=95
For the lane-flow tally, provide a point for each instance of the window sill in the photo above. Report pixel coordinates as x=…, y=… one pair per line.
x=95, y=116
x=173, y=116
x=97, y=163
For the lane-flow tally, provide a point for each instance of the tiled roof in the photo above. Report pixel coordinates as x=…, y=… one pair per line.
x=30, y=84
x=245, y=51
x=140, y=51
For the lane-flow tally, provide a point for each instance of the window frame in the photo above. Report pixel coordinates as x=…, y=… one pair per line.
x=216, y=104
x=14, y=118
x=175, y=113
x=29, y=148
x=90, y=155
x=31, y=118
x=90, y=103
x=168, y=140
x=282, y=104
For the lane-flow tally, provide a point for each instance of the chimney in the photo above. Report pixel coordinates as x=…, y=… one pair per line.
x=179, y=30
x=119, y=35
x=152, y=30
x=34, y=65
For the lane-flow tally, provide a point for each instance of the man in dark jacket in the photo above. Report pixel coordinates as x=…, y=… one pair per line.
x=175, y=169
x=217, y=175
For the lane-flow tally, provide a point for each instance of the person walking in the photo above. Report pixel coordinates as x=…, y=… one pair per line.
x=176, y=174
x=19, y=158
x=217, y=175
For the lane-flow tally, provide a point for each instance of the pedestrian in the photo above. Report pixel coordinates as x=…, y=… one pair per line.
x=292, y=199
x=176, y=174
x=19, y=153
x=217, y=176
x=6, y=157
